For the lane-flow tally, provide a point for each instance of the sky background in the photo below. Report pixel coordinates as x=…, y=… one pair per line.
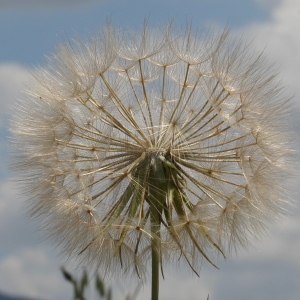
x=30, y=29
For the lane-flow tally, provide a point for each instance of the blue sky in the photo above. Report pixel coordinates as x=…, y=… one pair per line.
x=30, y=29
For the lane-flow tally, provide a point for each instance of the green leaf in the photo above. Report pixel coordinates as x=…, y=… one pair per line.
x=84, y=281
x=100, y=286
x=67, y=275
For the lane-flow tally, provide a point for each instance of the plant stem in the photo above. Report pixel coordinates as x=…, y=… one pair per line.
x=157, y=196
x=155, y=270
x=155, y=251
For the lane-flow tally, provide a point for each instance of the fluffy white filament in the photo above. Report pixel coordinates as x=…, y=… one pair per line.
x=182, y=138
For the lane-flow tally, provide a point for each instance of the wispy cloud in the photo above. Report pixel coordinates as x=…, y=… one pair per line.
x=12, y=80
x=280, y=37
x=31, y=272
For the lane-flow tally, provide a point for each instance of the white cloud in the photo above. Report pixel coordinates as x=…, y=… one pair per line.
x=12, y=80
x=26, y=266
x=15, y=231
x=280, y=36
x=32, y=273
x=267, y=4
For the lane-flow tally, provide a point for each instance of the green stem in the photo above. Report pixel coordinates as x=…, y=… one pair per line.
x=155, y=248
x=157, y=196
x=155, y=269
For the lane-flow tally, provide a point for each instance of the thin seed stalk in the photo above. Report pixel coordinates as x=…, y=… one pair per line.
x=155, y=256
x=157, y=198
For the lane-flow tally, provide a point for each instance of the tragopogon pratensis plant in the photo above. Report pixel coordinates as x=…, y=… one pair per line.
x=153, y=147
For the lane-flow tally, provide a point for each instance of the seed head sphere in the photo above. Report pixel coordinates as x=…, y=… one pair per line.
x=176, y=139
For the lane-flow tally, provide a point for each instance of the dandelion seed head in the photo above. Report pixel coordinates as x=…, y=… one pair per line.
x=182, y=138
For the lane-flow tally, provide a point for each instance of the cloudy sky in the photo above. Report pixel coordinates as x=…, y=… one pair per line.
x=30, y=29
